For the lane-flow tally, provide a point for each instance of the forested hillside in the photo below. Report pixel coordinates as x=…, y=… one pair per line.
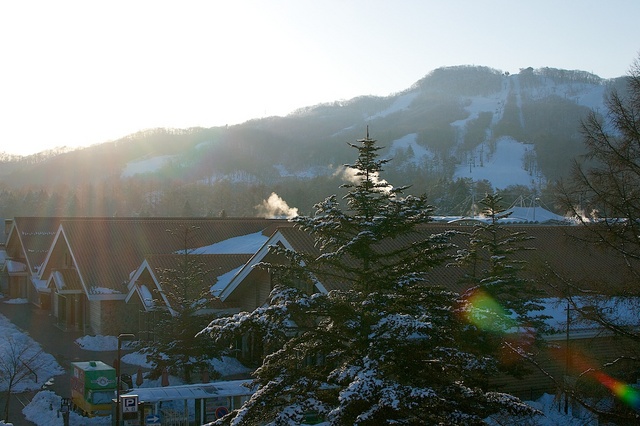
x=454, y=134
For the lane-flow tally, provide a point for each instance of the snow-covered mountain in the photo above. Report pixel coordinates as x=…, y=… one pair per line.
x=459, y=122
x=467, y=123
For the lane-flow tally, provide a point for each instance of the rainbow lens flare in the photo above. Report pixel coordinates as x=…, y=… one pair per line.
x=623, y=391
x=487, y=314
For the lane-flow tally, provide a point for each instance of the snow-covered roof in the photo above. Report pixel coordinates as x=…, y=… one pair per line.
x=224, y=280
x=40, y=285
x=146, y=296
x=535, y=214
x=197, y=391
x=129, y=240
x=234, y=281
x=58, y=280
x=249, y=243
x=14, y=267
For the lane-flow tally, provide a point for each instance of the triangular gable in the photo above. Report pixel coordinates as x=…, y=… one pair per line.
x=278, y=238
x=61, y=254
x=65, y=282
x=217, y=265
x=30, y=238
x=144, y=293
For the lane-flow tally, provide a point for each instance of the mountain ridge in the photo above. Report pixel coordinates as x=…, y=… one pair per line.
x=453, y=120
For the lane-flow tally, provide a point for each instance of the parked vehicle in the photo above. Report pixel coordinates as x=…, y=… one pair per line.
x=93, y=387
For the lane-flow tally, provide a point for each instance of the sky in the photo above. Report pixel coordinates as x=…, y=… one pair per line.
x=76, y=73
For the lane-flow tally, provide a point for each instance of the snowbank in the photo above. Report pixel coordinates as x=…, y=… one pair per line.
x=101, y=343
x=44, y=365
x=43, y=411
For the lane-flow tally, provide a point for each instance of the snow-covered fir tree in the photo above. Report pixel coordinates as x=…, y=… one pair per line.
x=502, y=304
x=382, y=347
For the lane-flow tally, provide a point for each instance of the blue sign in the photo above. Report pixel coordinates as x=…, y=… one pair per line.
x=152, y=419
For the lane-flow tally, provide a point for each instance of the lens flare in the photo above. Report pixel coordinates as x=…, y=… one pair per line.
x=487, y=314
x=623, y=391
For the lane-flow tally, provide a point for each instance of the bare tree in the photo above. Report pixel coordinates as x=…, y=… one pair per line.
x=603, y=194
x=19, y=359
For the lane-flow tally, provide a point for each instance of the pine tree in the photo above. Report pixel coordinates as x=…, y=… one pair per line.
x=506, y=303
x=382, y=350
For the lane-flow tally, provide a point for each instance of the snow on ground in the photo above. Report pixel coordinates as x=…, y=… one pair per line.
x=137, y=358
x=100, y=343
x=146, y=166
x=620, y=310
x=552, y=409
x=475, y=105
x=401, y=103
x=14, y=342
x=502, y=168
x=420, y=153
x=226, y=366
x=16, y=301
x=43, y=411
x=585, y=94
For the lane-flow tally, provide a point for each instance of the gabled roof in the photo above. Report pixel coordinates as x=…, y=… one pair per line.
x=282, y=236
x=32, y=237
x=145, y=292
x=107, y=251
x=558, y=254
x=65, y=281
x=217, y=267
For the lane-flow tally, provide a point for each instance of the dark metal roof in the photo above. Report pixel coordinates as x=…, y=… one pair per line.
x=108, y=250
x=36, y=235
x=558, y=254
x=215, y=266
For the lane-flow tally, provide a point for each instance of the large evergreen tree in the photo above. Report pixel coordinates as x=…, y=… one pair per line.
x=381, y=347
x=499, y=299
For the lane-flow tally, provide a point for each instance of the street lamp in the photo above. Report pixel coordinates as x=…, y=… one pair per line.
x=127, y=337
x=65, y=407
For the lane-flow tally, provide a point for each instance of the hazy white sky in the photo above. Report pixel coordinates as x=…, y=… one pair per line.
x=76, y=73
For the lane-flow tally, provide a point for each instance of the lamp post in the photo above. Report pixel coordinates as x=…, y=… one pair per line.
x=65, y=407
x=121, y=337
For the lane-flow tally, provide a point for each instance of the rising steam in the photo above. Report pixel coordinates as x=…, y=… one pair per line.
x=276, y=207
x=350, y=175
